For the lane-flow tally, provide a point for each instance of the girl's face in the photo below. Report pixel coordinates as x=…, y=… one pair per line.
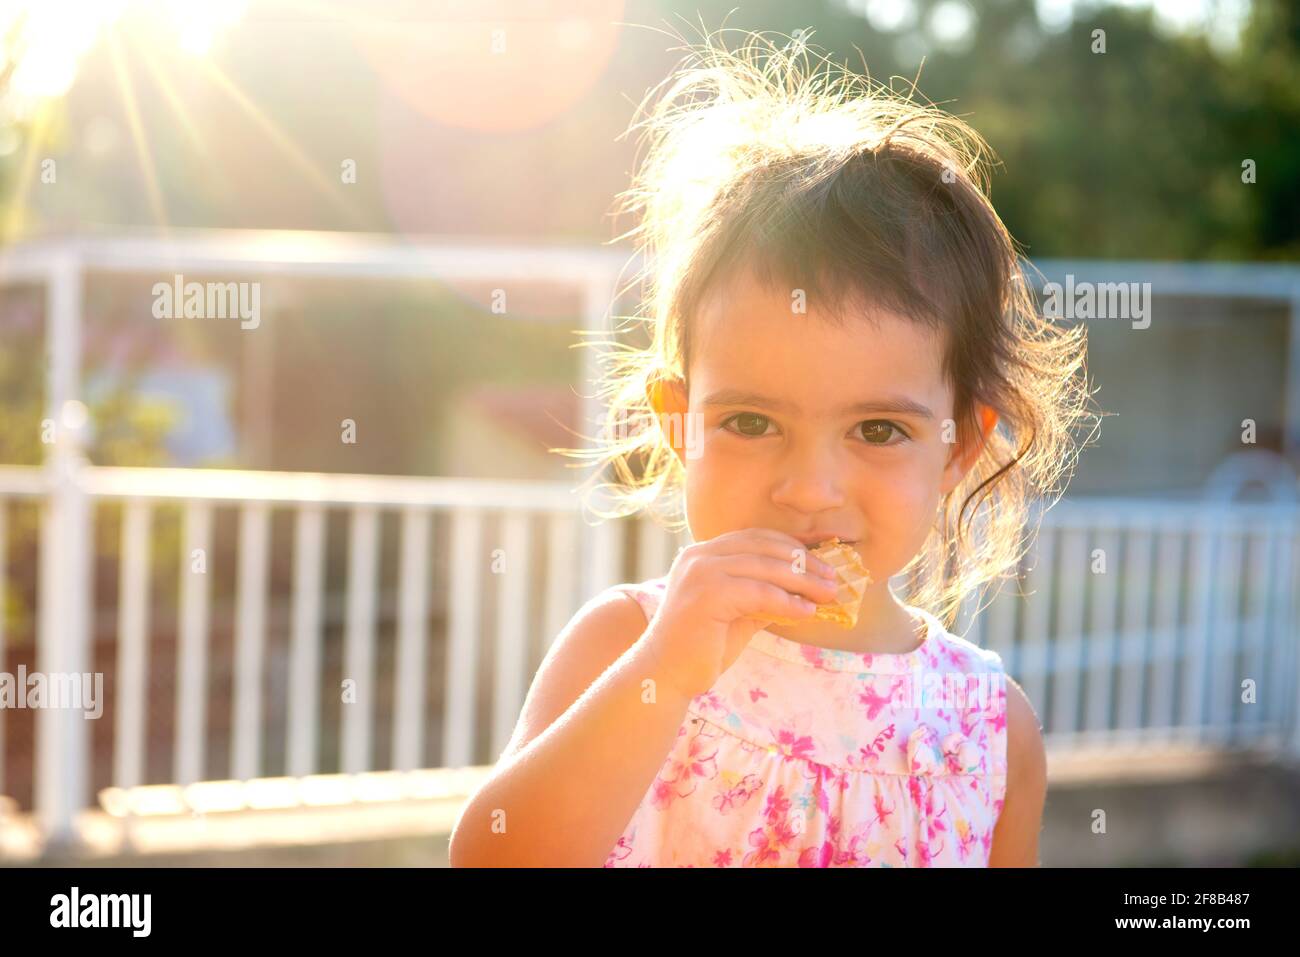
x=814, y=430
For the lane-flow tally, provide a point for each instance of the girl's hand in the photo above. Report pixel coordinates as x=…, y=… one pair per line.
x=721, y=591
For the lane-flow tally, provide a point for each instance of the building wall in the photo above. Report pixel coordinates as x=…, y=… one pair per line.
x=1177, y=392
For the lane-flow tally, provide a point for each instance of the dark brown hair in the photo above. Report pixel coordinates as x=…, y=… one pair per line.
x=819, y=179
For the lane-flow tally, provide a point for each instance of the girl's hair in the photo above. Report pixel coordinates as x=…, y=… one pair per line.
x=822, y=180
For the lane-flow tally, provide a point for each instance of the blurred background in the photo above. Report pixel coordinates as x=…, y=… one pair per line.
x=316, y=548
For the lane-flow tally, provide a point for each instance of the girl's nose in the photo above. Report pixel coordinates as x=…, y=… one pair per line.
x=810, y=482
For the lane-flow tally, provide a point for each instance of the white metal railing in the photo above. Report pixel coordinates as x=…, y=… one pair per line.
x=1208, y=602
x=581, y=560
x=62, y=264
x=1193, y=598
x=1074, y=642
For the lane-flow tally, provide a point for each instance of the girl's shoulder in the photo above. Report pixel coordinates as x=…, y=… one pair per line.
x=959, y=652
x=647, y=593
x=979, y=658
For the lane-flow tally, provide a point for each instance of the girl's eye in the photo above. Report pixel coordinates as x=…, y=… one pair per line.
x=748, y=421
x=877, y=431
x=753, y=425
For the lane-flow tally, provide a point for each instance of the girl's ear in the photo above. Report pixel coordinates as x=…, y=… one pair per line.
x=667, y=394
x=988, y=422
x=964, y=456
x=668, y=398
x=654, y=394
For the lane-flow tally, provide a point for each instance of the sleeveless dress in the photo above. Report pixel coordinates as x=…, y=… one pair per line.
x=801, y=756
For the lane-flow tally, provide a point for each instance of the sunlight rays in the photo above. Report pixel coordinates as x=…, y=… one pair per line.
x=47, y=40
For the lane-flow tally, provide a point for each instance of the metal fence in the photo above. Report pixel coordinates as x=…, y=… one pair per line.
x=1134, y=621
x=1151, y=622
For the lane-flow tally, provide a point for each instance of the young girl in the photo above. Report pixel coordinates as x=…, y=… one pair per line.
x=842, y=345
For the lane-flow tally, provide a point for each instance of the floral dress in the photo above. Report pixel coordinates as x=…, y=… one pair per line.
x=811, y=757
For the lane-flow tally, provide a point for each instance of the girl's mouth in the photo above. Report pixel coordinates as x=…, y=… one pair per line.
x=814, y=541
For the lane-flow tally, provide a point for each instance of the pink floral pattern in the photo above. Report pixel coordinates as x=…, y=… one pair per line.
x=802, y=756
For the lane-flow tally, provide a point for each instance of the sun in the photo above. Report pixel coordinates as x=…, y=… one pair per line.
x=45, y=40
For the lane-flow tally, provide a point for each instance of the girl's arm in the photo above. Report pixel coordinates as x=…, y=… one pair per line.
x=1015, y=837
x=575, y=771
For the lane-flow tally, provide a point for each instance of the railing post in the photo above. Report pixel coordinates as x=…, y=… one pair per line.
x=1291, y=626
x=602, y=552
x=61, y=779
